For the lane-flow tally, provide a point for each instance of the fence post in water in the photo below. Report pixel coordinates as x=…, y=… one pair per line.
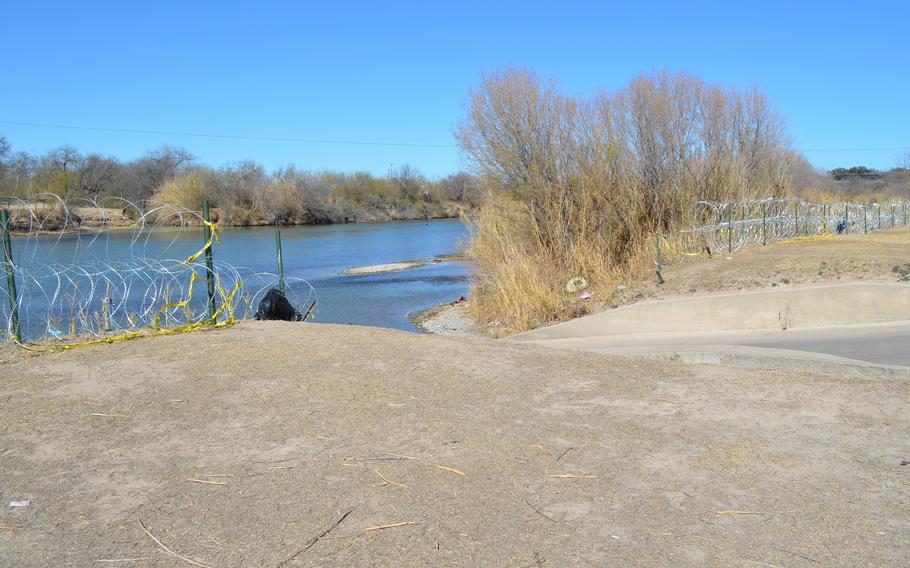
x=10, y=277
x=280, y=259
x=764, y=223
x=730, y=231
x=207, y=237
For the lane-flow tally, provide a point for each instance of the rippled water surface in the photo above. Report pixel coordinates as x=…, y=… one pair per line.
x=317, y=254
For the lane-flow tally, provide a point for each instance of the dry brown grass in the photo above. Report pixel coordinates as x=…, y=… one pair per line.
x=576, y=187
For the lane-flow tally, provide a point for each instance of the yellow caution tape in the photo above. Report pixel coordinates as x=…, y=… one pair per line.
x=156, y=328
x=807, y=238
x=213, y=235
x=674, y=250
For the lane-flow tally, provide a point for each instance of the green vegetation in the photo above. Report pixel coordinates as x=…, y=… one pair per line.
x=903, y=272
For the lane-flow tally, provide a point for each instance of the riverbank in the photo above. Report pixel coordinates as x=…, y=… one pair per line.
x=353, y=446
x=56, y=219
x=448, y=319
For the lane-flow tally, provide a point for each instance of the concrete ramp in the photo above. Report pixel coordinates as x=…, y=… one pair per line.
x=774, y=309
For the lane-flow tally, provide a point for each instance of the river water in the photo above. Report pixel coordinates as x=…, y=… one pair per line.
x=317, y=254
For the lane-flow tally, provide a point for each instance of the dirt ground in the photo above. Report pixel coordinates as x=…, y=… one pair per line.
x=273, y=444
x=880, y=256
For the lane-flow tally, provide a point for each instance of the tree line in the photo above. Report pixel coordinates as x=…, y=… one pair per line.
x=245, y=193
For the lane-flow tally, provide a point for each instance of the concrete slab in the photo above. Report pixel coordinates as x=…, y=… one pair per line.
x=774, y=309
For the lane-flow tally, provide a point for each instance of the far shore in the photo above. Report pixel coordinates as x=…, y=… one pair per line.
x=94, y=226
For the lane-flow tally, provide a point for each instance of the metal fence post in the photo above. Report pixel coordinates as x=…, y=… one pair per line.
x=879, y=217
x=209, y=264
x=764, y=223
x=865, y=218
x=10, y=277
x=281, y=259
x=846, y=218
x=796, y=223
x=730, y=231
x=892, y=215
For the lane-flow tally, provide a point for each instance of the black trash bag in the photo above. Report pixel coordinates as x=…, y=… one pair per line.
x=275, y=306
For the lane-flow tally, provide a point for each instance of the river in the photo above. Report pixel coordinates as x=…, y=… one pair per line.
x=317, y=254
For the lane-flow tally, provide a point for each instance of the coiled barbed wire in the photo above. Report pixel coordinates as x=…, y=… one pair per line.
x=92, y=268
x=722, y=226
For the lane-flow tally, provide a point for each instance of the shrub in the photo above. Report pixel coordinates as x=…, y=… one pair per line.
x=576, y=187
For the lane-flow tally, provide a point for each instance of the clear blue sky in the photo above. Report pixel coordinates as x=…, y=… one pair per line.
x=399, y=72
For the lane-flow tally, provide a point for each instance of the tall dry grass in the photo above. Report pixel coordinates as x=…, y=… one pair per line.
x=577, y=186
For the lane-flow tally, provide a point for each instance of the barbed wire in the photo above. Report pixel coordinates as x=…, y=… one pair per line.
x=727, y=226
x=94, y=269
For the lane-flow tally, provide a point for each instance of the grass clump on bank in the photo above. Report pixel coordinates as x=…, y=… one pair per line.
x=576, y=187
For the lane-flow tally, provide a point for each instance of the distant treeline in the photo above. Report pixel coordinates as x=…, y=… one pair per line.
x=858, y=183
x=244, y=193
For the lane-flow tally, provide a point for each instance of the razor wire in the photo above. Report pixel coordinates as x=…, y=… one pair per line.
x=95, y=269
x=727, y=226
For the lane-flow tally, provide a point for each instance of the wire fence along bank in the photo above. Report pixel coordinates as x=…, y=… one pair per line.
x=725, y=227
x=72, y=278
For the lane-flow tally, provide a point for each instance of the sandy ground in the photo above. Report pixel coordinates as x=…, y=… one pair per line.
x=273, y=444
x=881, y=256
x=448, y=319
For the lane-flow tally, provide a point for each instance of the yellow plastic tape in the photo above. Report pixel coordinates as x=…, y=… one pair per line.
x=156, y=329
x=213, y=235
x=807, y=238
x=674, y=250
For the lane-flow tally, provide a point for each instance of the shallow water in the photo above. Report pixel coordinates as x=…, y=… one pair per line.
x=315, y=253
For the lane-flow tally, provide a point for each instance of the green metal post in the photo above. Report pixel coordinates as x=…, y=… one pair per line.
x=209, y=264
x=865, y=218
x=824, y=219
x=764, y=223
x=10, y=277
x=730, y=232
x=281, y=259
x=846, y=218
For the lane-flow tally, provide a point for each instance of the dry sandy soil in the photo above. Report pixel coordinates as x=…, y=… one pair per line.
x=871, y=257
x=273, y=444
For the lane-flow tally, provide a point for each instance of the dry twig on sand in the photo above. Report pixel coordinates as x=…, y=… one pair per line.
x=206, y=482
x=314, y=540
x=390, y=526
x=738, y=513
x=168, y=550
x=539, y=512
x=389, y=481
x=452, y=469
x=570, y=476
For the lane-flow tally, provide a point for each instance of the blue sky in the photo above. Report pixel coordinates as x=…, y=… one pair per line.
x=399, y=72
